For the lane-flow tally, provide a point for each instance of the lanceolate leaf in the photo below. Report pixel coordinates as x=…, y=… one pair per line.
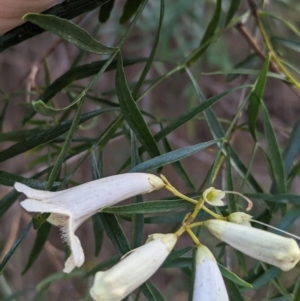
x=132, y=113
x=105, y=11
x=9, y=179
x=40, y=239
x=234, y=5
x=69, y=32
x=292, y=148
x=66, y=10
x=256, y=96
x=14, y=247
x=210, y=30
x=274, y=153
x=45, y=136
x=149, y=207
x=74, y=74
x=171, y=157
x=130, y=8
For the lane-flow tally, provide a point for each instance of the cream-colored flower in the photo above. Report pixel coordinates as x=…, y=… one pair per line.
x=132, y=271
x=240, y=218
x=209, y=284
x=265, y=246
x=12, y=11
x=71, y=207
x=213, y=196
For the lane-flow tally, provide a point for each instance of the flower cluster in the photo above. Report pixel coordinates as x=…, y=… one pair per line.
x=70, y=208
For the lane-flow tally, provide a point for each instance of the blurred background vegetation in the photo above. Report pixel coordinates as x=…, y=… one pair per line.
x=213, y=69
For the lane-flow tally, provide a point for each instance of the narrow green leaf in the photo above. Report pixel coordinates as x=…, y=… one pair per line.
x=178, y=167
x=296, y=290
x=210, y=30
x=170, y=218
x=47, y=72
x=69, y=32
x=19, y=135
x=40, y=239
x=274, y=152
x=8, y=200
x=241, y=71
x=266, y=277
x=105, y=10
x=277, y=198
x=40, y=107
x=74, y=74
x=2, y=114
x=233, y=277
x=18, y=295
x=234, y=5
x=292, y=148
x=233, y=291
x=149, y=207
x=137, y=220
x=9, y=179
x=132, y=113
x=217, y=132
x=232, y=206
x=96, y=219
x=45, y=283
x=182, y=119
x=98, y=233
x=157, y=294
x=289, y=218
x=293, y=27
x=289, y=297
x=146, y=290
x=60, y=159
x=115, y=233
x=45, y=136
x=14, y=247
x=289, y=43
x=171, y=157
x=153, y=50
x=181, y=263
x=130, y=8
x=66, y=10
x=247, y=63
x=176, y=254
x=189, y=115
x=256, y=96
x=57, y=166
x=103, y=265
x=193, y=275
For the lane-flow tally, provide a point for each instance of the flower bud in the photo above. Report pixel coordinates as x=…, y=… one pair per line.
x=268, y=247
x=209, y=284
x=132, y=271
x=240, y=218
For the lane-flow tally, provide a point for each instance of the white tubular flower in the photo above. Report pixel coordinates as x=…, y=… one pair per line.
x=132, y=271
x=209, y=284
x=12, y=11
x=213, y=196
x=71, y=207
x=271, y=248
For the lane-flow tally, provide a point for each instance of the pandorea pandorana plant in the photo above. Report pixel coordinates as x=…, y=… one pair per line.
x=206, y=93
x=69, y=212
